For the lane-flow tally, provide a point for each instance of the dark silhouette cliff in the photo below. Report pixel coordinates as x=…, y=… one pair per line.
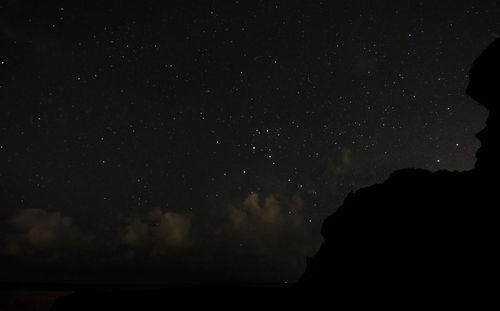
x=421, y=230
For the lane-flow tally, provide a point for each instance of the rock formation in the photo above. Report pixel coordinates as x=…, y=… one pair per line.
x=421, y=230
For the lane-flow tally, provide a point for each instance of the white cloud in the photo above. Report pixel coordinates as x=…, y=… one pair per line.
x=344, y=167
x=39, y=230
x=170, y=228
x=174, y=229
x=136, y=233
x=252, y=212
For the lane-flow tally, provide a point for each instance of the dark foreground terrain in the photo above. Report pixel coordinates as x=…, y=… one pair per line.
x=420, y=229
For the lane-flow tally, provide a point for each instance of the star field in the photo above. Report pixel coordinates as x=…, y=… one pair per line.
x=208, y=137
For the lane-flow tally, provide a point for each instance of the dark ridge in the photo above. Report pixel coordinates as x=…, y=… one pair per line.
x=421, y=230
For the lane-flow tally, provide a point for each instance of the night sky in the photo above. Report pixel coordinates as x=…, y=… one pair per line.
x=206, y=141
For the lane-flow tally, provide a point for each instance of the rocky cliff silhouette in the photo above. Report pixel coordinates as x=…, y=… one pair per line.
x=433, y=231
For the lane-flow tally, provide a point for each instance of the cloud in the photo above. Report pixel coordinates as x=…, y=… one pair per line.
x=136, y=233
x=169, y=228
x=259, y=237
x=252, y=212
x=270, y=236
x=345, y=166
x=174, y=229
x=39, y=230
